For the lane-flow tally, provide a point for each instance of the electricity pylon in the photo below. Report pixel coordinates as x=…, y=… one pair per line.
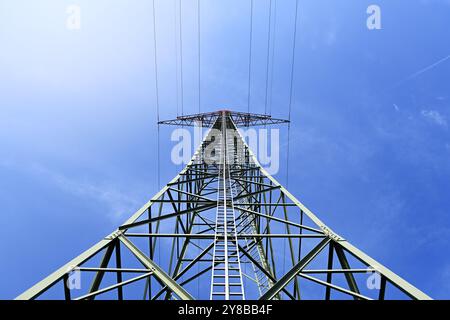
x=223, y=228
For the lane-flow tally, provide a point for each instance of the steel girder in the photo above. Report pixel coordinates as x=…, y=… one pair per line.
x=240, y=119
x=167, y=246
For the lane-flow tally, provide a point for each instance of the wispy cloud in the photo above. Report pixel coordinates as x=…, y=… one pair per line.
x=119, y=204
x=423, y=70
x=435, y=117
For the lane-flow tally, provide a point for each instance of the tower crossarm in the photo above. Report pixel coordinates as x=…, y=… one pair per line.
x=240, y=119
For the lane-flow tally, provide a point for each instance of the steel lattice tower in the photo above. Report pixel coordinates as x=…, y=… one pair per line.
x=223, y=228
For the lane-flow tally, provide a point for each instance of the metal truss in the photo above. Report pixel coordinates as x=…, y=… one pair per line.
x=223, y=228
x=240, y=119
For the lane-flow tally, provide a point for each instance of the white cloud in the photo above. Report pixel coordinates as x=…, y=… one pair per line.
x=435, y=117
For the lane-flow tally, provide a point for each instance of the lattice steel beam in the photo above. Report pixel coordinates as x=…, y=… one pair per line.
x=171, y=237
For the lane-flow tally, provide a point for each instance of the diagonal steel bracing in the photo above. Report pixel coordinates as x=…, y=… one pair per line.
x=223, y=228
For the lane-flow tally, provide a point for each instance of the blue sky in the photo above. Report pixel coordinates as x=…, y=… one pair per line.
x=370, y=144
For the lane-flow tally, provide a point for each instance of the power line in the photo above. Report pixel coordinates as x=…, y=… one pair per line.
x=157, y=88
x=250, y=55
x=287, y=156
x=268, y=52
x=291, y=89
x=273, y=54
x=155, y=60
x=176, y=57
x=199, y=70
x=180, y=33
x=181, y=58
x=293, y=59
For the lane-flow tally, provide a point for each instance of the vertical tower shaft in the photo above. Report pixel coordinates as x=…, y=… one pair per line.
x=226, y=281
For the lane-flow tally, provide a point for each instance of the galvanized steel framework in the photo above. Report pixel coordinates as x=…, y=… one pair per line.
x=225, y=222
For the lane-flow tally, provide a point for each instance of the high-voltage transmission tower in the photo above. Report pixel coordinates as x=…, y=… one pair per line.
x=223, y=228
